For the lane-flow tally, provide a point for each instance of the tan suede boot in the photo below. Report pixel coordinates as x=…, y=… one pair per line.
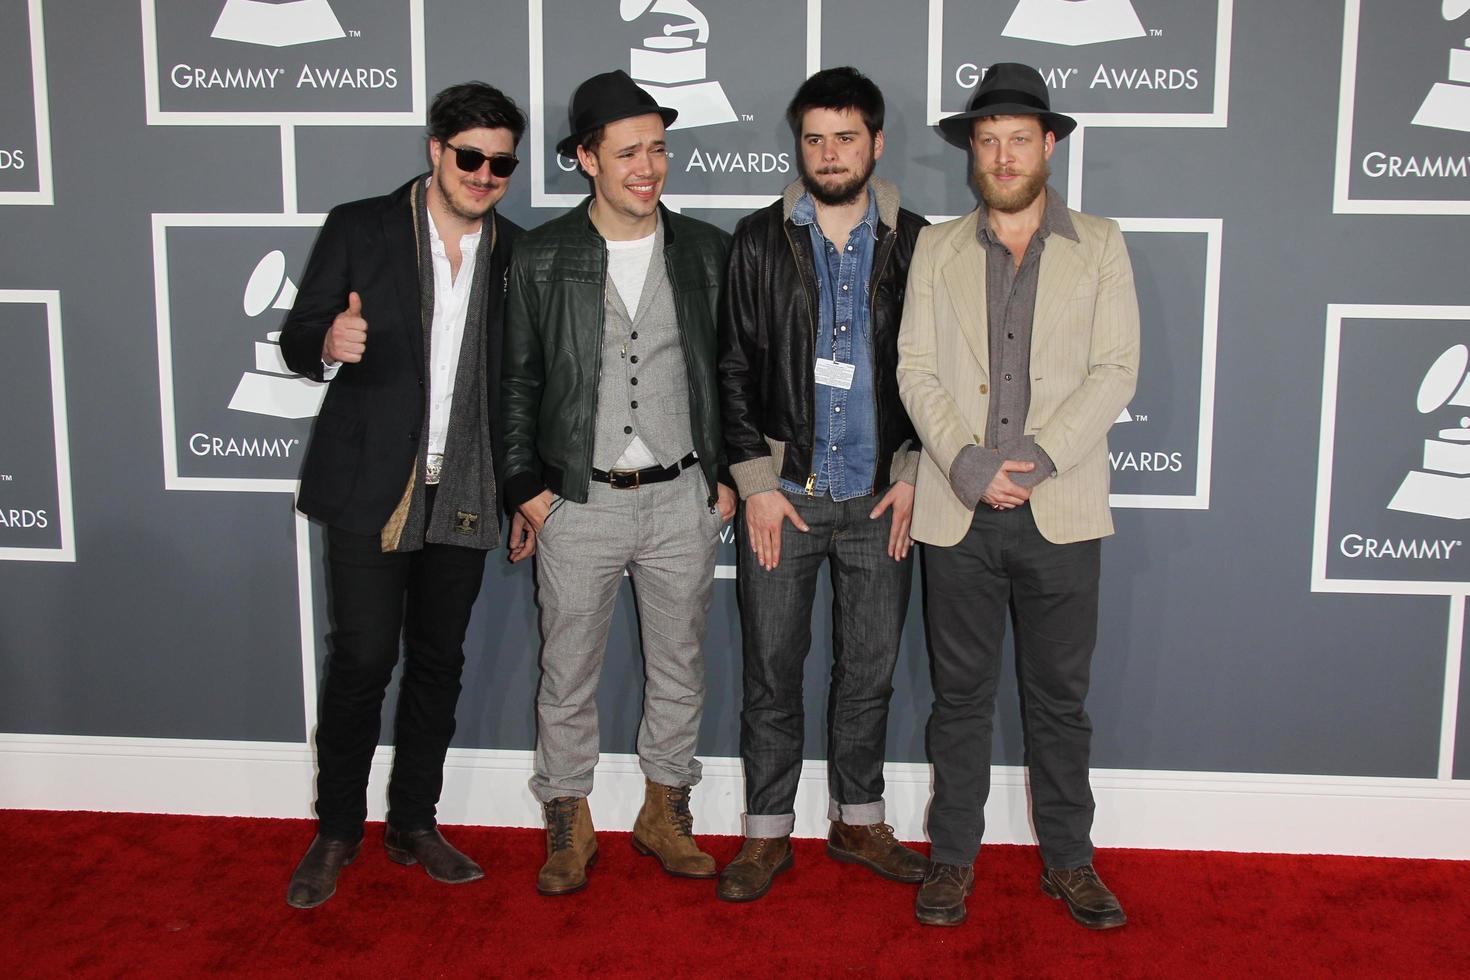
x=571, y=846
x=663, y=831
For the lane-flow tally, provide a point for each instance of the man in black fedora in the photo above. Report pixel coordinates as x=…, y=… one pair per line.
x=1019, y=347
x=612, y=434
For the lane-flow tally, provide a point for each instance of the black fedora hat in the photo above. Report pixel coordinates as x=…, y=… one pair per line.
x=1008, y=89
x=607, y=98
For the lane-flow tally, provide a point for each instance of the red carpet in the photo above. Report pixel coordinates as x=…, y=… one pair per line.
x=95, y=895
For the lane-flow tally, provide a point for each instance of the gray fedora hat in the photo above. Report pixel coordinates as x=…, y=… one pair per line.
x=1008, y=89
x=606, y=98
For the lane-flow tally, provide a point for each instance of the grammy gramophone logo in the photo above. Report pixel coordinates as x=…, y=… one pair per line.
x=277, y=23
x=1442, y=487
x=670, y=66
x=1447, y=106
x=1074, y=22
x=273, y=388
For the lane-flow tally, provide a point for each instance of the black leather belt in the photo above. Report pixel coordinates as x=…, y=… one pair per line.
x=633, y=479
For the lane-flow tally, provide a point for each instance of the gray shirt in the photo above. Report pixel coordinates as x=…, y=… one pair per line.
x=1010, y=301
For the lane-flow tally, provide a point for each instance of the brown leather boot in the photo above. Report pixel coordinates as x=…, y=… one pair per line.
x=941, y=898
x=1091, y=903
x=749, y=876
x=874, y=846
x=571, y=846
x=315, y=878
x=663, y=830
x=428, y=847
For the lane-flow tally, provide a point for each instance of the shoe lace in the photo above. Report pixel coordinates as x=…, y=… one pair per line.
x=560, y=814
x=1077, y=876
x=884, y=833
x=950, y=872
x=754, y=847
x=677, y=799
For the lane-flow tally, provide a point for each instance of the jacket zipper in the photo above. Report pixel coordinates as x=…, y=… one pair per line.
x=811, y=480
x=601, y=339
x=688, y=365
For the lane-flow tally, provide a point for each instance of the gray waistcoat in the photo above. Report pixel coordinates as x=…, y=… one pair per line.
x=655, y=358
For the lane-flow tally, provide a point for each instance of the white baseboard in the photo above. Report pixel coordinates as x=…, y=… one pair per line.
x=1150, y=809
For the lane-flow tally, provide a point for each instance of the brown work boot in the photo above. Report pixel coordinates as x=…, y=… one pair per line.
x=663, y=830
x=941, y=898
x=1087, y=898
x=571, y=846
x=874, y=846
x=749, y=876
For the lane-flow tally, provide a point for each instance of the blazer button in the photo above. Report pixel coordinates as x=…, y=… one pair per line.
x=985, y=389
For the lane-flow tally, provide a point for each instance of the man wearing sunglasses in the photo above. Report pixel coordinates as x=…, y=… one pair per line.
x=400, y=308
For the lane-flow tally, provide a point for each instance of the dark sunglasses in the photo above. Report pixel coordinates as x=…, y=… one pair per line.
x=470, y=160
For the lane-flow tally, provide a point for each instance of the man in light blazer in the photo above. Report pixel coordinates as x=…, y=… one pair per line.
x=1019, y=347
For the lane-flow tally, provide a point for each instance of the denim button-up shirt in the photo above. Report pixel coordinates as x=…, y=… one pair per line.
x=845, y=451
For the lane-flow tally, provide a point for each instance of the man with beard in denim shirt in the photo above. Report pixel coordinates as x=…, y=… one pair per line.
x=823, y=456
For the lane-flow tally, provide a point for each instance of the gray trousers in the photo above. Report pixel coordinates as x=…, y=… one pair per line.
x=664, y=535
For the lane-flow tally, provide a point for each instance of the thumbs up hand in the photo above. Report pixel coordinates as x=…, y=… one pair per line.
x=347, y=338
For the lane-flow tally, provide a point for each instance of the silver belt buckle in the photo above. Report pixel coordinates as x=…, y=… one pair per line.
x=433, y=468
x=624, y=479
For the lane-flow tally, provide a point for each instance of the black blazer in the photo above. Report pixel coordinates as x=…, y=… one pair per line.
x=367, y=433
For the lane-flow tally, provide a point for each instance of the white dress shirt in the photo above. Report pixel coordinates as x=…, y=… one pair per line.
x=451, y=304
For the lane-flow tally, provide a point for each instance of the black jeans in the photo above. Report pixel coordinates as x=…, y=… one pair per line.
x=870, y=595
x=425, y=596
x=1051, y=590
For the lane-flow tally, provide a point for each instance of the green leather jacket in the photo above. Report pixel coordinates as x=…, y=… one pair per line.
x=553, y=349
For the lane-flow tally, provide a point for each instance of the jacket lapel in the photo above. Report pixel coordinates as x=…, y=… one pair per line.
x=1061, y=270
x=404, y=271
x=964, y=279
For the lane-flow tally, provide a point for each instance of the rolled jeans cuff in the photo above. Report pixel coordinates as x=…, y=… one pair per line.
x=769, y=825
x=855, y=814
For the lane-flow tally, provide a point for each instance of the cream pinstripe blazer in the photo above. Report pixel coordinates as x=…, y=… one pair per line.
x=1084, y=363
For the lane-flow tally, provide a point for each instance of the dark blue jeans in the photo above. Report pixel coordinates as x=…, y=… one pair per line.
x=1051, y=590
x=870, y=599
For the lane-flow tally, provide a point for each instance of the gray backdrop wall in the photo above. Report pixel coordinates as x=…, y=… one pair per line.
x=1286, y=590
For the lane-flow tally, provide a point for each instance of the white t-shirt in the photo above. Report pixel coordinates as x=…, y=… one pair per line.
x=627, y=266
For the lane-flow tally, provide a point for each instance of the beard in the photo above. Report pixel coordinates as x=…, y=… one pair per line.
x=1013, y=198
x=842, y=193
x=465, y=210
